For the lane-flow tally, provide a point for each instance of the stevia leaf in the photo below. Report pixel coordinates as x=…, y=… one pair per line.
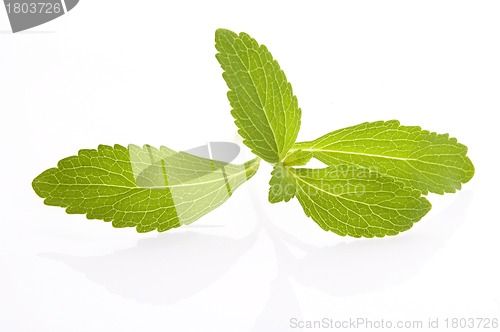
x=282, y=186
x=354, y=201
x=264, y=108
x=424, y=160
x=145, y=188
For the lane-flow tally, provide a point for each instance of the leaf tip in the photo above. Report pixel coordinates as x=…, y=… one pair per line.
x=222, y=33
x=470, y=170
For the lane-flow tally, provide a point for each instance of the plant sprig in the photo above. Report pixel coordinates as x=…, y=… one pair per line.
x=373, y=185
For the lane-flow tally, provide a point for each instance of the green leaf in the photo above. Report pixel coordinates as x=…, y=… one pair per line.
x=298, y=158
x=282, y=186
x=146, y=188
x=424, y=160
x=351, y=200
x=264, y=108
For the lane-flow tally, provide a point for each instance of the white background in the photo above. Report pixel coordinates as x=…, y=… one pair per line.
x=145, y=72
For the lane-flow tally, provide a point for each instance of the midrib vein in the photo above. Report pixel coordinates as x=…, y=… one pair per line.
x=339, y=196
x=361, y=154
x=160, y=187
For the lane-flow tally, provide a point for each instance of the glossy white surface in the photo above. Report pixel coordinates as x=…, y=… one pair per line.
x=145, y=72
